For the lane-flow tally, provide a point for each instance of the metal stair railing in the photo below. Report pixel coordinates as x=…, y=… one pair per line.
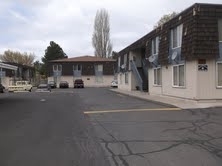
x=137, y=74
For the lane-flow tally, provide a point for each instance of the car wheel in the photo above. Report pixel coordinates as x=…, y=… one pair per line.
x=30, y=90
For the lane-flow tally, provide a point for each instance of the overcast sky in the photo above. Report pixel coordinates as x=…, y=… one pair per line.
x=29, y=25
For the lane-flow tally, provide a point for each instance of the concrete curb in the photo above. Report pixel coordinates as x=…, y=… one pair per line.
x=138, y=97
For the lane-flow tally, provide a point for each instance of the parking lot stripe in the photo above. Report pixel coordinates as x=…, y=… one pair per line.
x=132, y=110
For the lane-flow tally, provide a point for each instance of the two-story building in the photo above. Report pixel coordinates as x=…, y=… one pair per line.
x=94, y=71
x=181, y=58
x=3, y=68
x=12, y=72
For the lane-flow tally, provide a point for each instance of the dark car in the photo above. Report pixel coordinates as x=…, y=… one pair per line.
x=78, y=83
x=63, y=84
x=2, y=88
x=52, y=84
x=43, y=88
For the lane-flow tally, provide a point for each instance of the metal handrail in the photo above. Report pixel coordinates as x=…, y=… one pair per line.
x=137, y=74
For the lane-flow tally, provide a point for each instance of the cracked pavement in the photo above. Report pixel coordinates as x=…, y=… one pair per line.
x=56, y=132
x=155, y=138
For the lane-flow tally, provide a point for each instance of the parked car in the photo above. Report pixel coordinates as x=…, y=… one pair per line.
x=44, y=88
x=52, y=84
x=63, y=84
x=114, y=84
x=78, y=83
x=2, y=88
x=20, y=86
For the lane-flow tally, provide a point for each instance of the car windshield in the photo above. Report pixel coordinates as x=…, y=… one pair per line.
x=42, y=85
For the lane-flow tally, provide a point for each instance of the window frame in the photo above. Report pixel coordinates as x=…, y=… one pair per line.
x=57, y=68
x=126, y=78
x=156, y=75
x=178, y=76
x=78, y=65
x=155, y=45
x=179, y=37
x=120, y=79
x=218, y=86
x=220, y=30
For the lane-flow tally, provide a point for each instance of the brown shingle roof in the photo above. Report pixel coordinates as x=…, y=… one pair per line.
x=86, y=58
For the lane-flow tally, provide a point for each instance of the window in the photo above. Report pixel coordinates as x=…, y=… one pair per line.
x=121, y=80
x=220, y=29
x=125, y=58
x=57, y=67
x=176, y=36
x=99, y=68
x=157, y=76
x=77, y=67
x=219, y=74
x=119, y=62
x=126, y=78
x=155, y=46
x=179, y=75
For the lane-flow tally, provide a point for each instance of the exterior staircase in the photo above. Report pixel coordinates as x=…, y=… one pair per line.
x=141, y=76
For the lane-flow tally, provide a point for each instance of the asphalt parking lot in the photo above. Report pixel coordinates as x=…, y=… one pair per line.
x=95, y=126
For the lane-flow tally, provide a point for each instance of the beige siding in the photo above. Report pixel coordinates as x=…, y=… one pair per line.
x=189, y=91
x=121, y=84
x=131, y=85
x=6, y=82
x=89, y=81
x=153, y=89
x=207, y=82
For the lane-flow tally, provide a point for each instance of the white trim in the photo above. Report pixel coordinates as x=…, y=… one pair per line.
x=179, y=32
x=219, y=29
x=126, y=82
x=176, y=48
x=178, y=86
x=73, y=66
x=155, y=41
x=57, y=67
x=157, y=85
x=7, y=66
x=219, y=87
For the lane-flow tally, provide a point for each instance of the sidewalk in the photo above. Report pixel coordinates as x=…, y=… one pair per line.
x=177, y=102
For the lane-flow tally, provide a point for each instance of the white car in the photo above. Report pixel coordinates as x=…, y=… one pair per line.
x=114, y=84
x=20, y=86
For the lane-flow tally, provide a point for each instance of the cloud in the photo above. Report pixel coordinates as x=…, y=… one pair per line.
x=29, y=26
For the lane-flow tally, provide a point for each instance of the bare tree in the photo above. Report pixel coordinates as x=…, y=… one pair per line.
x=164, y=19
x=17, y=57
x=101, y=35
